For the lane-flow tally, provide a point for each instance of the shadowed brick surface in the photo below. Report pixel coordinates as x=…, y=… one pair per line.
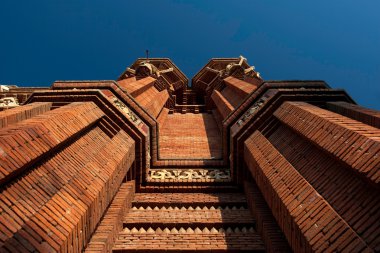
x=111, y=224
x=189, y=222
x=188, y=242
x=191, y=199
x=266, y=224
x=190, y=136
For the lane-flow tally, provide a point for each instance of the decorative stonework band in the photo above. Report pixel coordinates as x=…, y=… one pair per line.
x=190, y=175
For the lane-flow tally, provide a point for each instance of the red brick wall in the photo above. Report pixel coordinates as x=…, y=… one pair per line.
x=112, y=223
x=63, y=171
x=318, y=173
x=12, y=116
x=266, y=224
x=308, y=221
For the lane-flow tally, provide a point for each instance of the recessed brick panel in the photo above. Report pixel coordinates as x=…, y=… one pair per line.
x=189, y=136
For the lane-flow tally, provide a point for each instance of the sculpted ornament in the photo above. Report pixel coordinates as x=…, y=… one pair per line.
x=190, y=175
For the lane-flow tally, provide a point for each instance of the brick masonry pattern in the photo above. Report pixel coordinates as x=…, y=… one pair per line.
x=56, y=204
x=309, y=222
x=21, y=113
x=111, y=224
x=189, y=136
x=62, y=169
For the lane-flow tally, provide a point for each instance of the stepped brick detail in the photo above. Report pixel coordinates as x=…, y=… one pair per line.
x=190, y=199
x=111, y=224
x=183, y=216
x=147, y=163
x=177, y=226
x=189, y=242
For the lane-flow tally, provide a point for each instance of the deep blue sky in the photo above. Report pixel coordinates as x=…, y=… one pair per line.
x=335, y=41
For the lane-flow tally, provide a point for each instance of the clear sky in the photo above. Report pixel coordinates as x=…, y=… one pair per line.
x=337, y=41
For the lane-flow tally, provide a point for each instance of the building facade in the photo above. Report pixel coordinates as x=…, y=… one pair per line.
x=230, y=163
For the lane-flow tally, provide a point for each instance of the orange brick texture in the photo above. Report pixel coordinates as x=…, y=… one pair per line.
x=307, y=219
x=223, y=105
x=199, y=241
x=21, y=113
x=190, y=222
x=197, y=216
x=240, y=88
x=190, y=199
x=350, y=141
x=304, y=176
x=134, y=87
x=58, y=198
x=26, y=141
x=111, y=224
x=353, y=199
x=266, y=224
x=365, y=115
x=232, y=95
x=190, y=136
x=319, y=173
x=144, y=92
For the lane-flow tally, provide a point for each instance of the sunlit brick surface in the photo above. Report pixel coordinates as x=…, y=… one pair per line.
x=188, y=242
x=190, y=136
x=136, y=165
x=193, y=199
x=194, y=215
